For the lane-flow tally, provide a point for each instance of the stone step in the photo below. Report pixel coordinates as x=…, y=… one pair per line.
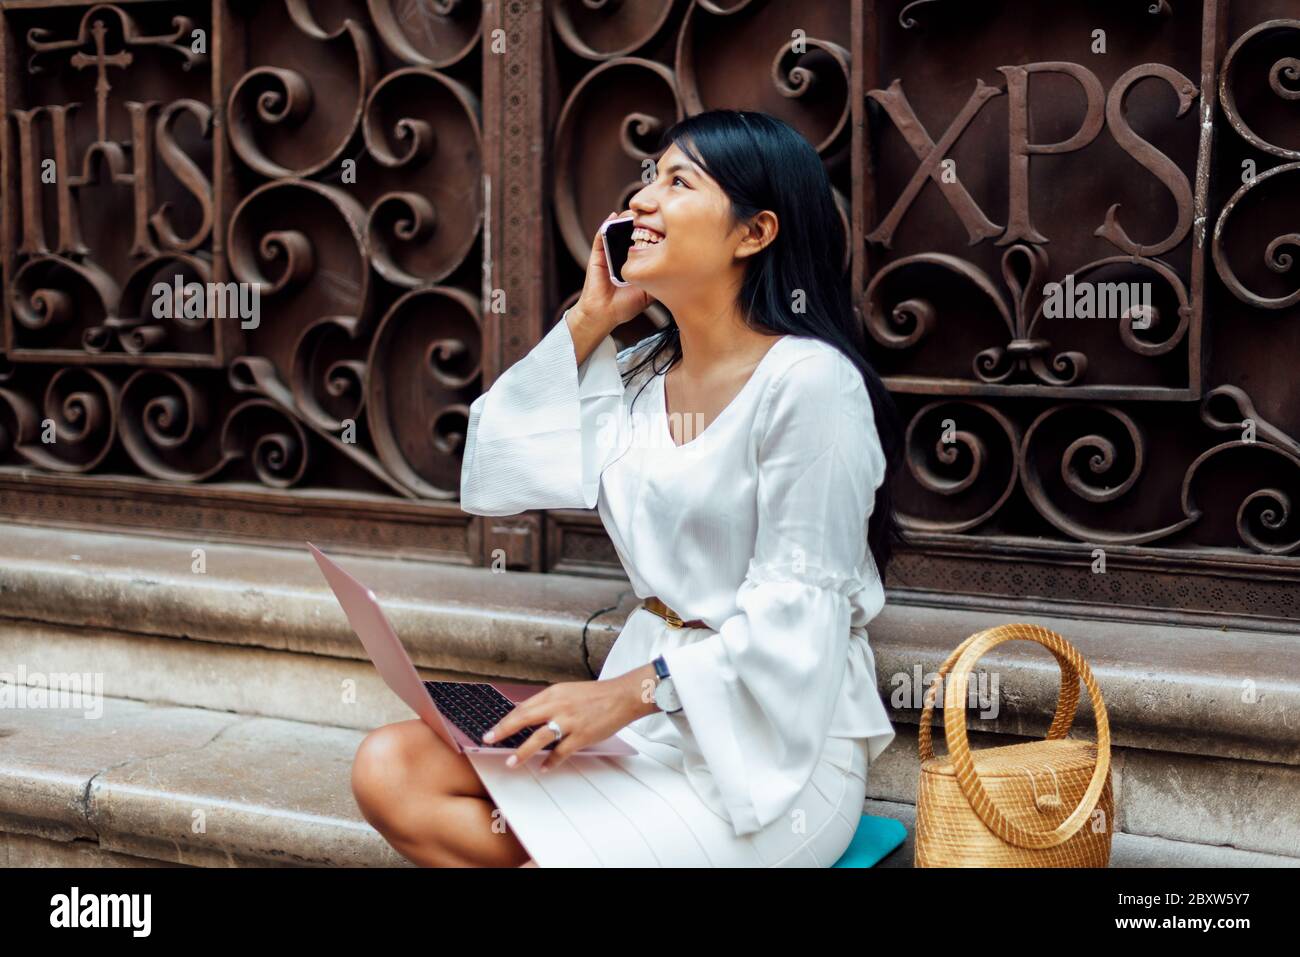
x=144, y=784
x=153, y=783
x=260, y=633
x=1205, y=752
x=463, y=619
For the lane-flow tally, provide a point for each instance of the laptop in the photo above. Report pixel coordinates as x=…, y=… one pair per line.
x=458, y=711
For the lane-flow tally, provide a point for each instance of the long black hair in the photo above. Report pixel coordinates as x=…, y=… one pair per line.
x=761, y=163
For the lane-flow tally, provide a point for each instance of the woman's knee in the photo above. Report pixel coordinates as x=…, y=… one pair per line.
x=383, y=767
x=407, y=761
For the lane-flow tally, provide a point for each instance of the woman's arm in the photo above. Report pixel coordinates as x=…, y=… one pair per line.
x=586, y=332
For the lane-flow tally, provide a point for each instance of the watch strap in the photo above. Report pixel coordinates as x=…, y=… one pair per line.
x=661, y=667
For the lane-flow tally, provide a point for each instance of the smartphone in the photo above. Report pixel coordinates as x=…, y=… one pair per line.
x=616, y=234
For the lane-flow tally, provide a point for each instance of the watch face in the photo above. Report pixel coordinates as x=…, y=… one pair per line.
x=666, y=696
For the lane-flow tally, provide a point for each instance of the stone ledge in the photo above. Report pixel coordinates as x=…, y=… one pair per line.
x=23, y=850
x=523, y=625
x=130, y=786
x=1167, y=688
x=1186, y=798
x=184, y=786
x=1189, y=752
x=245, y=680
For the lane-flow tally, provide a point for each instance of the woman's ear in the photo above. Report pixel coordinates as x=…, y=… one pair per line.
x=759, y=232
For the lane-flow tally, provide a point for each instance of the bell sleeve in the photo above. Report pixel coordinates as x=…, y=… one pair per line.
x=541, y=436
x=759, y=694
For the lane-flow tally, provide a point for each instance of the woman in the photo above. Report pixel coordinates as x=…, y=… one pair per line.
x=739, y=461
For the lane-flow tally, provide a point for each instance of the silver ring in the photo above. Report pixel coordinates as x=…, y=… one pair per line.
x=555, y=729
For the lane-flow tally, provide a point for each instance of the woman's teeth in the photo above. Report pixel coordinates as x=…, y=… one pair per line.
x=644, y=238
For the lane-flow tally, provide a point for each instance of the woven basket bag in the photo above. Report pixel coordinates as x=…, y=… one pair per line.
x=1021, y=805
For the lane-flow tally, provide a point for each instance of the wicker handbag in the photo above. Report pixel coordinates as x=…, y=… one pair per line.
x=1021, y=805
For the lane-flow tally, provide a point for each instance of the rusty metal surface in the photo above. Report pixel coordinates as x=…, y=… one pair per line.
x=412, y=186
x=333, y=161
x=1107, y=166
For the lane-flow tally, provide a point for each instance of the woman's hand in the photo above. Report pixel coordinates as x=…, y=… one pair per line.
x=602, y=303
x=586, y=711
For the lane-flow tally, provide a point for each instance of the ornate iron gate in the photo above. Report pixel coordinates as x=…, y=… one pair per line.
x=259, y=258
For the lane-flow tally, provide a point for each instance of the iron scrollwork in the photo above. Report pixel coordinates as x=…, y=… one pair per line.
x=335, y=162
x=344, y=190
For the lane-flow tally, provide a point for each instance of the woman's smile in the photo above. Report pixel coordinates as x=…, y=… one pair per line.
x=644, y=238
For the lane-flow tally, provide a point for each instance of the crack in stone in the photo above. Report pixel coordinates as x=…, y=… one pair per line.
x=586, y=626
x=85, y=792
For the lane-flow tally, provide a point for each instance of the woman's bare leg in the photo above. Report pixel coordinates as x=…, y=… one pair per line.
x=427, y=801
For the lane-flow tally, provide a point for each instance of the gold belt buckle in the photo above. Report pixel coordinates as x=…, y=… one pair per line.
x=657, y=607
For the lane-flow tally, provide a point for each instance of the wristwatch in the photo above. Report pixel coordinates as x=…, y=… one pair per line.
x=665, y=695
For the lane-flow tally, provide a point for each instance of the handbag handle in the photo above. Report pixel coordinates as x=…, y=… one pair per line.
x=1067, y=699
x=1073, y=667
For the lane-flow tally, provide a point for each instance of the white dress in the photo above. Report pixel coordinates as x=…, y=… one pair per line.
x=757, y=526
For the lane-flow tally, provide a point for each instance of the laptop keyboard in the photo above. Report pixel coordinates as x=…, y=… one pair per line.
x=474, y=707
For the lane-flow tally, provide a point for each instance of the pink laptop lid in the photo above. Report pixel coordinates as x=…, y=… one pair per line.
x=382, y=644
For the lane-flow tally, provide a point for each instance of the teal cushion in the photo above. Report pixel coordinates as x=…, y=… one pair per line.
x=874, y=838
